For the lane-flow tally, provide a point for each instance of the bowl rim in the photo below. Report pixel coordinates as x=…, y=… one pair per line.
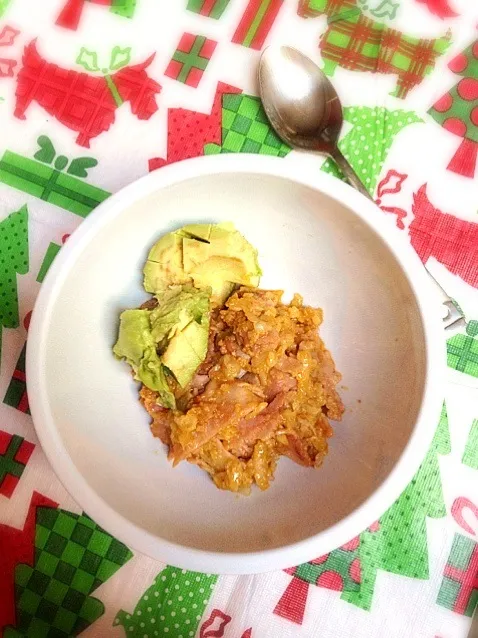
x=301, y=551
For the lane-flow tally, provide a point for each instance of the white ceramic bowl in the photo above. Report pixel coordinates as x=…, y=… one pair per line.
x=316, y=236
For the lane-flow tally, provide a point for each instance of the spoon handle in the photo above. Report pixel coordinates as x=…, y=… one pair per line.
x=349, y=172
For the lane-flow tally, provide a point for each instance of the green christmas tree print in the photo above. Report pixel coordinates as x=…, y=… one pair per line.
x=73, y=557
x=173, y=605
x=13, y=260
x=368, y=143
x=470, y=455
x=400, y=544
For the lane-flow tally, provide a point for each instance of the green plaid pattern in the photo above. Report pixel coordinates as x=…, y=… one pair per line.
x=462, y=351
x=73, y=556
x=246, y=129
x=358, y=43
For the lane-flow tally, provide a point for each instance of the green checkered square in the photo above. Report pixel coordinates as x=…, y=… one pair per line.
x=41, y=536
x=241, y=124
x=56, y=591
x=106, y=569
x=73, y=556
x=64, y=572
x=22, y=575
x=63, y=623
x=56, y=544
x=38, y=582
x=90, y=562
x=47, y=517
x=46, y=563
x=29, y=602
x=73, y=601
x=233, y=141
x=250, y=108
x=250, y=146
x=99, y=542
x=46, y=611
x=258, y=132
x=272, y=140
x=64, y=525
x=117, y=553
x=246, y=129
x=82, y=581
x=233, y=102
x=81, y=534
x=38, y=628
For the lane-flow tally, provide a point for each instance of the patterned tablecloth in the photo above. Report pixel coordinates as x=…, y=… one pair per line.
x=407, y=71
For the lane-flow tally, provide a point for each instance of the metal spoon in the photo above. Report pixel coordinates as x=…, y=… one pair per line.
x=305, y=111
x=303, y=106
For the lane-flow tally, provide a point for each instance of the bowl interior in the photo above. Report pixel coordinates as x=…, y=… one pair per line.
x=308, y=243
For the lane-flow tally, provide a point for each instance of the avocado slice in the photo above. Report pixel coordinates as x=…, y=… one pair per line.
x=177, y=307
x=214, y=256
x=186, y=351
x=137, y=347
x=164, y=265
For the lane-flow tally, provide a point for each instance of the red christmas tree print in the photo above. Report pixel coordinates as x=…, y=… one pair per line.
x=339, y=571
x=457, y=111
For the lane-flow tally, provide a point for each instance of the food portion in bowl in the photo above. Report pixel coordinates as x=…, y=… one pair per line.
x=231, y=376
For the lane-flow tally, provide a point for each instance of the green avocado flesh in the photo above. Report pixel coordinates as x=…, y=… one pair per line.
x=188, y=271
x=214, y=256
x=171, y=338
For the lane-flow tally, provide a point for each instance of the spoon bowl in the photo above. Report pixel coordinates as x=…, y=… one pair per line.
x=299, y=100
x=303, y=106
